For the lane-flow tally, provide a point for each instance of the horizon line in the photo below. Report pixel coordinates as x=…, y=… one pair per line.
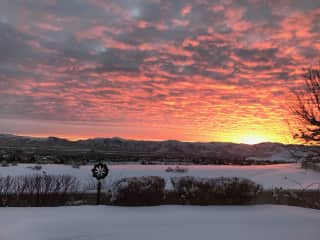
x=136, y=139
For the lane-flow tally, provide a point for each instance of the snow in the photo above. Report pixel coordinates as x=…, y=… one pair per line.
x=280, y=175
x=261, y=222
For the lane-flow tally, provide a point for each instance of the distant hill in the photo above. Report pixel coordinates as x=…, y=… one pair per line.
x=118, y=149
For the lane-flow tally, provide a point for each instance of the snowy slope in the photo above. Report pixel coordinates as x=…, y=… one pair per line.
x=264, y=222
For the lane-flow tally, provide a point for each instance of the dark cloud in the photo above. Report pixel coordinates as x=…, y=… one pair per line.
x=257, y=55
x=305, y=5
x=61, y=8
x=12, y=44
x=70, y=47
x=121, y=61
x=262, y=13
x=153, y=35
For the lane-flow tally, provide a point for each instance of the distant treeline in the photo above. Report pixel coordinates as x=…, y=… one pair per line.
x=11, y=155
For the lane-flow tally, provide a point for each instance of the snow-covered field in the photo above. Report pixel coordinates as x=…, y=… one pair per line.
x=263, y=222
x=287, y=176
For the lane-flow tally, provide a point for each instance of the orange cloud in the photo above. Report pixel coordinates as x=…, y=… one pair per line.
x=204, y=71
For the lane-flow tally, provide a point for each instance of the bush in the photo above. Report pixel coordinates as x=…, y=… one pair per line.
x=138, y=191
x=177, y=169
x=206, y=191
x=37, y=190
x=4, y=164
x=311, y=165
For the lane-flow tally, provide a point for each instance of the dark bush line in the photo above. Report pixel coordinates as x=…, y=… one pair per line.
x=51, y=190
x=37, y=190
x=54, y=190
x=186, y=190
x=311, y=200
x=302, y=198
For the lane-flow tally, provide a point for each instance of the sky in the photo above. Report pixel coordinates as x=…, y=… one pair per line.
x=200, y=70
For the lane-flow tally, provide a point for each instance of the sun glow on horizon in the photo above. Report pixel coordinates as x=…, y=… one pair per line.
x=250, y=136
x=252, y=139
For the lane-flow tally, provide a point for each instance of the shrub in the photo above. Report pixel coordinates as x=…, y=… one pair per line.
x=37, y=190
x=4, y=164
x=138, y=191
x=311, y=165
x=76, y=164
x=206, y=191
x=37, y=167
x=177, y=169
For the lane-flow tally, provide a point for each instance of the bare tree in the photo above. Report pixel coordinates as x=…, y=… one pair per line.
x=307, y=108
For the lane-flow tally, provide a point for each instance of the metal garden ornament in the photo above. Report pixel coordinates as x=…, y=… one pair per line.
x=99, y=171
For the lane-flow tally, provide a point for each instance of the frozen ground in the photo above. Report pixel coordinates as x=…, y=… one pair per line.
x=281, y=175
x=264, y=222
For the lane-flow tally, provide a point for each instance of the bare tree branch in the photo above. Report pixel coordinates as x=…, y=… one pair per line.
x=307, y=107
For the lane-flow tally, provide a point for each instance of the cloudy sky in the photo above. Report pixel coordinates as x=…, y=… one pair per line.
x=198, y=70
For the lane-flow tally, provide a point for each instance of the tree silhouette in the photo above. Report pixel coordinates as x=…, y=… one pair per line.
x=307, y=107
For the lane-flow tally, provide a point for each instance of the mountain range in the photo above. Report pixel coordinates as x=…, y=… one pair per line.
x=118, y=149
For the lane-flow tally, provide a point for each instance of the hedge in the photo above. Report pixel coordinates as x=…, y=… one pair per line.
x=207, y=191
x=138, y=191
